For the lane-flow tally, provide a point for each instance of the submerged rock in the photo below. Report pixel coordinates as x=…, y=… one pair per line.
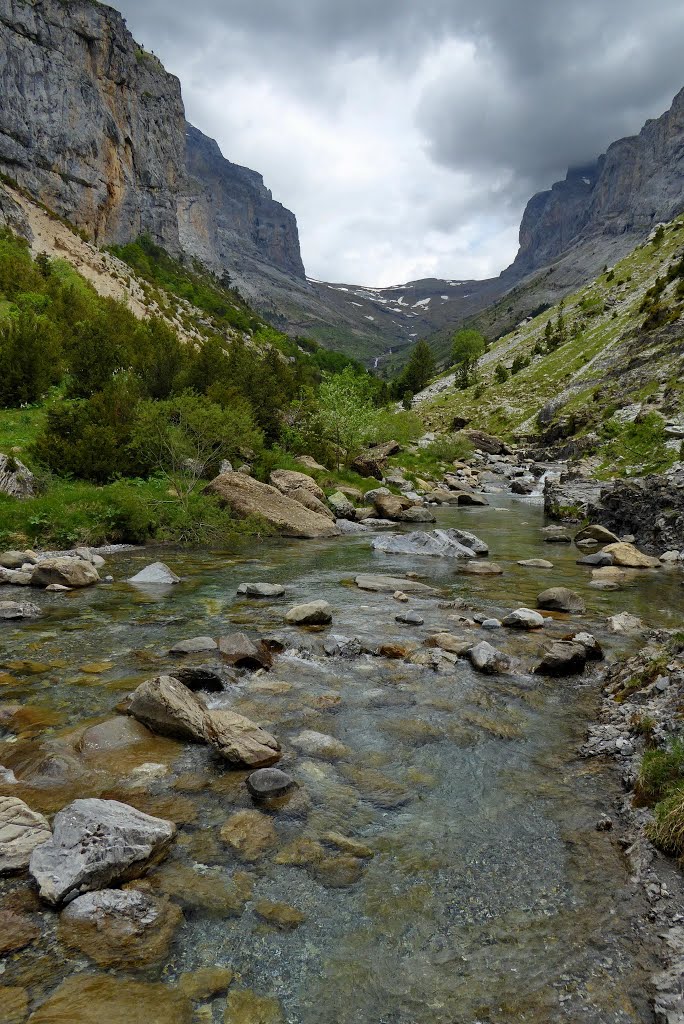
x=314, y=613
x=155, y=574
x=19, y=610
x=598, y=533
x=104, y=999
x=536, y=563
x=410, y=618
x=245, y=1007
x=250, y=834
x=120, y=928
x=481, y=569
x=268, y=782
x=319, y=744
x=195, y=645
x=280, y=915
x=389, y=584
x=96, y=842
x=21, y=831
x=561, y=599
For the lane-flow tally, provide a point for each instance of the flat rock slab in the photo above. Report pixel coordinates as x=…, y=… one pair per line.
x=97, y=842
x=249, y=497
x=156, y=574
x=195, y=645
x=21, y=831
x=261, y=589
x=389, y=584
x=481, y=569
x=104, y=999
x=536, y=563
x=19, y=610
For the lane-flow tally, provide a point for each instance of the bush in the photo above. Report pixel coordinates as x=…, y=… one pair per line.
x=501, y=373
x=450, y=448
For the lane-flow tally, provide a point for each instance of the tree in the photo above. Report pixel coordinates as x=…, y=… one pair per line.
x=347, y=414
x=467, y=347
x=29, y=358
x=501, y=373
x=418, y=371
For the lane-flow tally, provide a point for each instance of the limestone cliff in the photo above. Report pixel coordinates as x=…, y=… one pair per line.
x=616, y=201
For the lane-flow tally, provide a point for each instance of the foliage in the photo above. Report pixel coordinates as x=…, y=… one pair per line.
x=466, y=348
x=418, y=371
x=501, y=373
x=347, y=415
x=660, y=770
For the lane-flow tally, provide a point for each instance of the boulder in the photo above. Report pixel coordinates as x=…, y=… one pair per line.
x=169, y=708
x=390, y=506
x=240, y=741
x=449, y=543
x=389, y=584
x=314, y=613
x=598, y=533
x=371, y=495
x=342, y=507
x=310, y=501
x=97, y=842
x=346, y=526
x=338, y=646
x=289, y=480
x=16, y=479
x=156, y=574
x=563, y=658
x=195, y=645
x=592, y=647
x=629, y=557
x=248, y=497
x=117, y=733
x=203, y=677
x=491, y=623
x=104, y=999
x=417, y=515
x=450, y=643
x=269, y=782
x=469, y=498
x=120, y=928
x=487, y=443
x=597, y=560
x=410, y=618
x=481, y=568
x=523, y=486
x=487, y=659
x=555, y=535
x=17, y=559
x=441, y=497
x=261, y=589
x=19, y=610
x=368, y=466
x=21, y=831
x=524, y=618
x=241, y=651
x=536, y=563
x=69, y=571
x=319, y=744
x=309, y=462
x=561, y=599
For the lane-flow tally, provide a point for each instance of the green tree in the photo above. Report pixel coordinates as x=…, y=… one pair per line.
x=347, y=414
x=467, y=347
x=501, y=373
x=418, y=371
x=30, y=358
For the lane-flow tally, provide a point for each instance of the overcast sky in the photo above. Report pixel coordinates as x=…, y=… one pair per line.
x=406, y=135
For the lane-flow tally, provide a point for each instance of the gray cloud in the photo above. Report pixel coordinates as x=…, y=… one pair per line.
x=406, y=137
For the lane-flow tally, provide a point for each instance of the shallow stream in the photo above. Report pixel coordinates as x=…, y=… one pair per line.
x=490, y=896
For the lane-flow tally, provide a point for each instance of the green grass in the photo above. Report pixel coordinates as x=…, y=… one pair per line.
x=660, y=772
x=19, y=428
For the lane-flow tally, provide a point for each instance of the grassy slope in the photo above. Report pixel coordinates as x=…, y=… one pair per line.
x=611, y=363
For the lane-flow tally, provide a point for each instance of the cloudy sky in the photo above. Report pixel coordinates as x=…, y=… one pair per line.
x=406, y=135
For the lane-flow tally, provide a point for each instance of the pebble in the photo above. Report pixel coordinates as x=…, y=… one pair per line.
x=268, y=782
x=410, y=618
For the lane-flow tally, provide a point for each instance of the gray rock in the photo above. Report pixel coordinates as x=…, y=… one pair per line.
x=314, y=613
x=169, y=708
x=371, y=495
x=16, y=559
x=536, y=563
x=268, y=782
x=524, y=618
x=242, y=651
x=201, y=677
x=341, y=505
x=624, y=622
x=346, y=526
x=195, y=645
x=487, y=659
x=16, y=479
x=491, y=624
x=563, y=658
x=261, y=589
x=417, y=515
x=596, y=533
x=340, y=646
x=97, y=842
x=440, y=543
x=156, y=574
x=319, y=744
x=21, y=831
x=410, y=618
x=561, y=599
x=555, y=535
x=389, y=584
x=19, y=610
x=590, y=644
x=66, y=570
x=596, y=560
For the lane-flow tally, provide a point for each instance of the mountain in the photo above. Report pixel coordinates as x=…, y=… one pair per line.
x=93, y=127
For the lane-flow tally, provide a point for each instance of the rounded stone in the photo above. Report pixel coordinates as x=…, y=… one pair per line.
x=267, y=782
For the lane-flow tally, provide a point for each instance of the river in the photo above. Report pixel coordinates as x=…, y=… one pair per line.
x=490, y=897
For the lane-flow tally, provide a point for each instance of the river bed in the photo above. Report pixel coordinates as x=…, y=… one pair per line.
x=490, y=895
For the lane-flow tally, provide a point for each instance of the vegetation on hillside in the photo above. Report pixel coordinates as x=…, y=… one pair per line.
x=122, y=420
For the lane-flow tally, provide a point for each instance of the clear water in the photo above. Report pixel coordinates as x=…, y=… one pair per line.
x=491, y=896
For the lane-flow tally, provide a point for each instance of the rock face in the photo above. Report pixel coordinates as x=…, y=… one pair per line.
x=248, y=497
x=621, y=196
x=651, y=508
x=96, y=842
x=15, y=478
x=21, y=831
